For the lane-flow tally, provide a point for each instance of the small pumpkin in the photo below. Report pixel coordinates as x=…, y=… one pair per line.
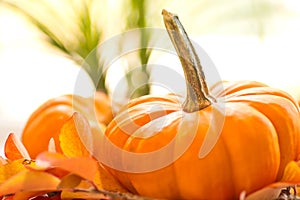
x=45, y=122
x=233, y=137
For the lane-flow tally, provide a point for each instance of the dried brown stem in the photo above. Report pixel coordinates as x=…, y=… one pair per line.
x=198, y=96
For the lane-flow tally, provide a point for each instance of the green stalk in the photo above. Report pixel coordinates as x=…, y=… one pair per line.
x=83, y=49
x=137, y=19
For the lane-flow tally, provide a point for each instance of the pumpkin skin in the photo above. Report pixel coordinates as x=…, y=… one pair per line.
x=258, y=136
x=261, y=134
x=45, y=122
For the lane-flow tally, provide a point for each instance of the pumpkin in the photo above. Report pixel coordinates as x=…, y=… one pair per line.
x=45, y=122
x=233, y=137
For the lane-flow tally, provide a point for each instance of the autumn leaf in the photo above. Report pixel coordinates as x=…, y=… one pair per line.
x=291, y=177
x=27, y=180
x=51, y=146
x=35, y=195
x=8, y=197
x=266, y=193
x=104, y=180
x=56, y=196
x=70, y=181
x=14, y=149
x=2, y=161
x=291, y=173
x=10, y=169
x=74, y=135
x=81, y=194
x=73, y=172
x=82, y=166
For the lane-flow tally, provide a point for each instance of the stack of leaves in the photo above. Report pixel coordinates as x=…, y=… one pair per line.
x=72, y=174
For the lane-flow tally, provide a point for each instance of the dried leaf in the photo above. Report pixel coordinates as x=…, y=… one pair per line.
x=2, y=161
x=36, y=196
x=81, y=194
x=9, y=197
x=51, y=146
x=45, y=197
x=291, y=173
x=26, y=195
x=70, y=181
x=104, y=180
x=14, y=149
x=10, y=169
x=30, y=181
x=291, y=177
x=82, y=166
x=101, y=194
x=266, y=193
x=74, y=135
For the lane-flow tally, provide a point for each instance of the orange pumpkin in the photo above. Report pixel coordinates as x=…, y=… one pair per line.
x=45, y=123
x=235, y=137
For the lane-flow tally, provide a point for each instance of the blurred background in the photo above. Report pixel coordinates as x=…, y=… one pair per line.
x=43, y=45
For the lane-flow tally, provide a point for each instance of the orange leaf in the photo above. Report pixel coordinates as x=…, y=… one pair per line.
x=46, y=197
x=70, y=181
x=2, y=161
x=266, y=193
x=104, y=180
x=291, y=177
x=81, y=194
x=73, y=182
x=10, y=197
x=14, y=149
x=29, y=181
x=40, y=166
x=291, y=173
x=10, y=169
x=74, y=135
x=26, y=195
x=51, y=146
x=82, y=166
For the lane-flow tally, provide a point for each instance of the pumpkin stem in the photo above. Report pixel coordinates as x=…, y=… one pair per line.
x=198, y=96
